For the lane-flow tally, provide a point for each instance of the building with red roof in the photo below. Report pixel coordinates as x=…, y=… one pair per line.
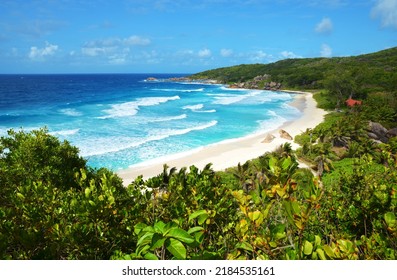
x=351, y=102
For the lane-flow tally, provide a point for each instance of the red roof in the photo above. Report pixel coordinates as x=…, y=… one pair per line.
x=351, y=102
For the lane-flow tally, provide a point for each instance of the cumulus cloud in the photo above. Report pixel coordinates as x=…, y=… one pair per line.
x=204, y=53
x=288, y=54
x=226, y=52
x=137, y=41
x=324, y=26
x=115, y=49
x=39, y=53
x=326, y=51
x=386, y=10
x=259, y=56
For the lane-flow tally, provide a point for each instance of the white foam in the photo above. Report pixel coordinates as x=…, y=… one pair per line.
x=193, y=107
x=179, y=90
x=67, y=132
x=167, y=119
x=227, y=99
x=131, y=108
x=270, y=124
x=197, y=108
x=71, y=112
x=100, y=146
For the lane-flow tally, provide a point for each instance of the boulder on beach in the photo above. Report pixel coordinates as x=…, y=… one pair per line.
x=269, y=138
x=284, y=134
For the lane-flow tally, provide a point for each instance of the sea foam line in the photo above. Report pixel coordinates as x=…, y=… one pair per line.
x=114, y=144
x=131, y=108
x=178, y=90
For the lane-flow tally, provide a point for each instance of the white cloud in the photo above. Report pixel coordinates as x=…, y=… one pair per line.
x=137, y=40
x=204, y=53
x=115, y=50
x=326, y=51
x=226, y=52
x=386, y=10
x=260, y=56
x=325, y=26
x=288, y=54
x=93, y=51
x=38, y=54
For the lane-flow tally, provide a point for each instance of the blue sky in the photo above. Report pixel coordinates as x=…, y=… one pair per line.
x=185, y=36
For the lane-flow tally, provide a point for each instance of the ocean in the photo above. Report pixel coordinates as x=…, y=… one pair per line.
x=121, y=120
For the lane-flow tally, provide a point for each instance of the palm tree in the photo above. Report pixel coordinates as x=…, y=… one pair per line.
x=323, y=160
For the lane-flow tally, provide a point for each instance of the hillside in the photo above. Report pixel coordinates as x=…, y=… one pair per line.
x=374, y=72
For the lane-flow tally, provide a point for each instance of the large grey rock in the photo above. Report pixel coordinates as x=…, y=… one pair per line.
x=379, y=130
x=392, y=132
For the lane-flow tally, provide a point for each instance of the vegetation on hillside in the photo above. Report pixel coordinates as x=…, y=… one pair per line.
x=365, y=73
x=53, y=206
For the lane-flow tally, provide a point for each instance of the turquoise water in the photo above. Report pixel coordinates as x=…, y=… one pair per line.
x=121, y=120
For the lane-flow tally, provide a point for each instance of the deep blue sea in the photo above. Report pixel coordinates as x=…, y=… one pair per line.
x=119, y=120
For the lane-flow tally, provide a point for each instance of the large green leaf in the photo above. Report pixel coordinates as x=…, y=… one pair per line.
x=159, y=227
x=196, y=214
x=390, y=219
x=195, y=229
x=157, y=241
x=145, y=239
x=180, y=234
x=139, y=227
x=151, y=256
x=307, y=248
x=176, y=248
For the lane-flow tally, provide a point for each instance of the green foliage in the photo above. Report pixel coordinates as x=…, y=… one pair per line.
x=357, y=75
x=38, y=157
x=267, y=208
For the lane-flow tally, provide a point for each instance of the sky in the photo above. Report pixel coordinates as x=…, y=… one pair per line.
x=185, y=36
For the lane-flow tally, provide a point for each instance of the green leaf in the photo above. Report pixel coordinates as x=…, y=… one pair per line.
x=151, y=256
x=390, y=219
x=139, y=227
x=196, y=214
x=92, y=203
x=202, y=218
x=272, y=164
x=317, y=240
x=20, y=196
x=159, y=227
x=180, y=234
x=145, y=239
x=199, y=236
x=176, y=248
x=307, y=248
x=195, y=229
x=157, y=241
x=286, y=163
x=87, y=192
x=321, y=254
x=245, y=246
x=328, y=250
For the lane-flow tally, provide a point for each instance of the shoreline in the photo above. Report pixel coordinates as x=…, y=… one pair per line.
x=230, y=152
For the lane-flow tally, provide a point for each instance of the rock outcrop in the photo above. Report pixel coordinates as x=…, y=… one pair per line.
x=269, y=138
x=259, y=82
x=285, y=135
x=379, y=133
x=376, y=131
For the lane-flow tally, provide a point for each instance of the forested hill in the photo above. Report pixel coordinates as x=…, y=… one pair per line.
x=373, y=72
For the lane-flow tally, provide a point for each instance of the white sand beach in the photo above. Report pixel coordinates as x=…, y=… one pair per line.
x=230, y=153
